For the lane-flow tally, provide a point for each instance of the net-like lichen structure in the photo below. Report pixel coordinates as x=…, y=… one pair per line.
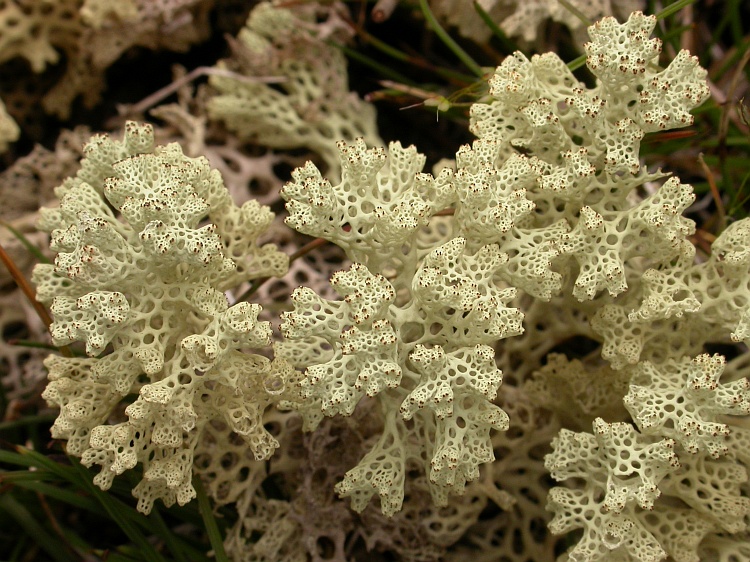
x=417, y=340
x=139, y=277
x=87, y=37
x=547, y=209
x=525, y=20
x=308, y=104
x=515, y=359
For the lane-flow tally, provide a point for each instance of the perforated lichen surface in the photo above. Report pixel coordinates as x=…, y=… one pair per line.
x=86, y=38
x=551, y=201
x=511, y=358
x=417, y=343
x=138, y=278
x=309, y=104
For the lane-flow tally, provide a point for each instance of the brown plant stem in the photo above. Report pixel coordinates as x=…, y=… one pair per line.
x=714, y=192
x=304, y=250
x=28, y=291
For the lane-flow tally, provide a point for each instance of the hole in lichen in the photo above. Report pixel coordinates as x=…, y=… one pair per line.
x=728, y=350
x=575, y=347
x=15, y=330
x=326, y=548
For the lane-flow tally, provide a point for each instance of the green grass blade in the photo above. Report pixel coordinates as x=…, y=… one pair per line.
x=673, y=8
x=49, y=543
x=15, y=476
x=212, y=528
x=16, y=459
x=125, y=516
x=36, y=345
x=576, y=12
x=577, y=63
x=180, y=547
x=462, y=55
x=69, y=497
x=170, y=539
x=22, y=545
x=731, y=61
x=376, y=66
x=27, y=420
x=119, y=513
x=33, y=250
x=123, y=556
x=506, y=43
x=385, y=48
x=676, y=33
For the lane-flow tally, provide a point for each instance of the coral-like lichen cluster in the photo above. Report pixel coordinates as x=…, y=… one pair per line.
x=549, y=200
x=526, y=20
x=139, y=278
x=309, y=103
x=88, y=37
x=546, y=232
x=416, y=340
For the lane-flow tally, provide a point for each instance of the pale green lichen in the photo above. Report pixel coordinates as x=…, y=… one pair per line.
x=137, y=274
x=310, y=106
x=550, y=213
